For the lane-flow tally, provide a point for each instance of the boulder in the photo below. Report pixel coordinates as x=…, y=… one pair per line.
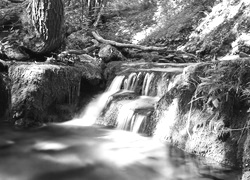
x=109, y=53
x=44, y=93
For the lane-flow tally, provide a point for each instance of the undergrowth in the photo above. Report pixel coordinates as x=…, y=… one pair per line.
x=221, y=90
x=224, y=80
x=180, y=19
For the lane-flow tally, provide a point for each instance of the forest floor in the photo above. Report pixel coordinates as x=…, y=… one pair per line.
x=210, y=30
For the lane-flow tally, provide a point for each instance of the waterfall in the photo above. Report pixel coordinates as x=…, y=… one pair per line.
x=95, y=107
x=124, y=119
x=130, y=121
x=115, y=86
x=138, y=122
x=127, y=119
x=129, y=116
x=146, y=83
x=131, y=82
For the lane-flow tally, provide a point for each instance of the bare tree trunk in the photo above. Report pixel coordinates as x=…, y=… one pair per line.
x=48, y=18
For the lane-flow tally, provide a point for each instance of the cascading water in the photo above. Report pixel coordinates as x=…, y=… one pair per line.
x=124, y=118
x=146, y=83
x=127, y=119
x=138, y=122
x=127, y=112
x=95, y=107
x=131, y=82
x=56, y=152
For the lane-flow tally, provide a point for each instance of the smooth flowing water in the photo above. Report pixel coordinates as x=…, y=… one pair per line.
x=78, y=150
x=59, y=152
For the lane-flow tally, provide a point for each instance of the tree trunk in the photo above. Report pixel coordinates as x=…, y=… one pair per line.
x=48, y=18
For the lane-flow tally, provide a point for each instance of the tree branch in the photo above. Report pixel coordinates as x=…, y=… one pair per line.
x=124, y=45
x=141, y=47
x=79, y=52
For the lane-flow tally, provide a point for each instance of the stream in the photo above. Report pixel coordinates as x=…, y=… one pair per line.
x=58, y=152
x=83, y=149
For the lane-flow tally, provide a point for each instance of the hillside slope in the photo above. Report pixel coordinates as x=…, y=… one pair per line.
x=211, y=29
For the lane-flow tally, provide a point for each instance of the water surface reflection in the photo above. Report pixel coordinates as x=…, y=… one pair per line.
x=77, y=153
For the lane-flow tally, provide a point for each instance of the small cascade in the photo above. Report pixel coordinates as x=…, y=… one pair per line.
x=128, y=118
x=146, y=83
x=138, y=122
x=116, y=84
x=132, y=97
x=131, y=82
x=95, y=107
x=124, y=119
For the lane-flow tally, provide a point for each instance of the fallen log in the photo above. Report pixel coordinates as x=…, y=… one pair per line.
x=141, y=47
x=79, y=52
x=124, y=45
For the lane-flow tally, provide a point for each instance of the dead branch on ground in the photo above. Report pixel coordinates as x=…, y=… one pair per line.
x=141, y=47
x=79, y=52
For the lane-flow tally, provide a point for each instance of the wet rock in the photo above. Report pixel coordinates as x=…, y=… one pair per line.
x=109, y=53
x=38, y=90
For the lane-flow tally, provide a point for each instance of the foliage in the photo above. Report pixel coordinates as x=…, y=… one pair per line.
x=219, y=91
x=126, y=18
x=4, y=3
x=223, y=79
x=222, y=91
x=75, y=14
x=177, y=21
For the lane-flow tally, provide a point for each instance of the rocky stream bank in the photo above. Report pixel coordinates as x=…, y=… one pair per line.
x=202, y=107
